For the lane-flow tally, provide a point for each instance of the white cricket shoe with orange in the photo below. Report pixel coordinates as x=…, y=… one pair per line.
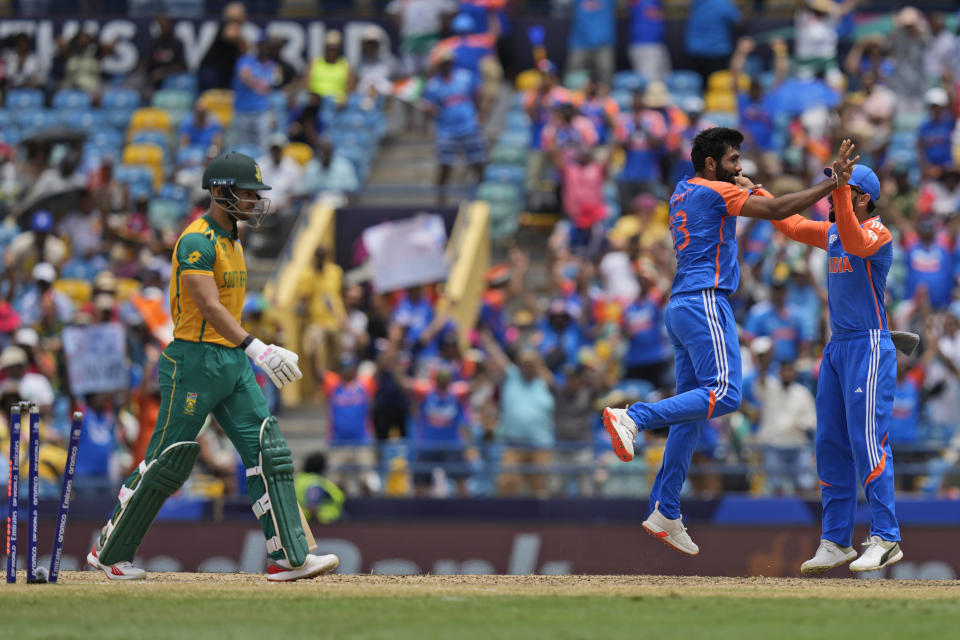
x=670, y=532
x=623, y=431
x=119, y=571
x=281, y=571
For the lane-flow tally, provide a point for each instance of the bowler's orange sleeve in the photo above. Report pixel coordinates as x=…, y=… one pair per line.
x=733, y=196
x=798, y=228
x=861, y=241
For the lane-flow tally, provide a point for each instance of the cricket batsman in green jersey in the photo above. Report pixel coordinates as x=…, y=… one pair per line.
x=206, y=370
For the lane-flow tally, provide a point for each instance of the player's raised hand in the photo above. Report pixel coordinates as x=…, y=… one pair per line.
x=746, y=183
x=843, y=165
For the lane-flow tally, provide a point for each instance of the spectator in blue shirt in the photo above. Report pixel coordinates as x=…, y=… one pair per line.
x=414, y=312
x=441, y=422
x=647, y=357
x=774, y=320
x=201, y=129
x=906, y=405
x=526, y=416
x=708, y=39
x=253, y=80
x=451, y=97
x=648, y=51
x=98, y=440
x=593, y=35
x=561, y=337
x=929, y=266
x=349, y=404
x=934, y=149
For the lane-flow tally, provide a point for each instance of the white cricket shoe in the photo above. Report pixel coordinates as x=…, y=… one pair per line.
x=281, y=571
x=828, y=555
x=670, y=532
x=119, y=571
x=623, y=431
x=878, y=554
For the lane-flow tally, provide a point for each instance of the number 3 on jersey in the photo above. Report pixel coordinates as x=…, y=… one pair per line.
x=681, y=237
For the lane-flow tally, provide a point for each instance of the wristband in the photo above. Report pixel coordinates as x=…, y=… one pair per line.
x=246, y=342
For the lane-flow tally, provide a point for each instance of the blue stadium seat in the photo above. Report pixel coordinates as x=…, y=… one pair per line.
x=628, y=81
x=131, y=174
x=85, y=119
x=514, y=138
x=172, y=100
x=149, y=136
x=72, y=99
x=623, y=98
x=120, y=98
x=685, y=82
x=766, y=79
x=6, y=118
x=174, y=192
x=24, y=99
x=119, y=117
x=140, y=189
x=37, y=119
x=722, y=118
x=181, y=82
x=106, y=137
x=191, y=157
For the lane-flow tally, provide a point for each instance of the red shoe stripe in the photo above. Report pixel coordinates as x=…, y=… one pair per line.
x=116, y=571
x=275, y=569
x=661, y=534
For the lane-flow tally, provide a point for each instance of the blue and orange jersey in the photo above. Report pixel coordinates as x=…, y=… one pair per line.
x=859, y=256
x=703, y=221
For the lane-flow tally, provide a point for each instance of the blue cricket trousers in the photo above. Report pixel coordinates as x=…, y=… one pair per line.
x=704, y=336
x=854, y=405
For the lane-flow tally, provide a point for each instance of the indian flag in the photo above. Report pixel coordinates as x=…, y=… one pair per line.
x=408, y=89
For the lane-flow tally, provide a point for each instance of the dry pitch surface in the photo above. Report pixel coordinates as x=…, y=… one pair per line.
x=195, y=606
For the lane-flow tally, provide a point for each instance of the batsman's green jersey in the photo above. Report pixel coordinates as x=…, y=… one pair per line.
x=200, y=372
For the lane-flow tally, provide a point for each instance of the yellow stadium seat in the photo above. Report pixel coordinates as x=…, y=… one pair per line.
x=77, y=290
x=529, y=79
x=149, y=118
x=299, y=151
x=220, y=103
x=721, y=101
x=126, y=287
x=147, y=155
x=723, y=81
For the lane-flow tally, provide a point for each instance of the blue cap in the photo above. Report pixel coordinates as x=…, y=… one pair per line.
x=862, y=178
x=42, y=221
x=463, y=23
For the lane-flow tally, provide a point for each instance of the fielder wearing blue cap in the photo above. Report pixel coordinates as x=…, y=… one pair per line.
x=857, y=375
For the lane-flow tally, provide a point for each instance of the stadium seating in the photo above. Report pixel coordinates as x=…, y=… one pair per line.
x=721, y=101
x=628, y=81
x=33, y=120
x=151, y=136
x=683, y=82
x=146, y=155
x=116, y=98
x=723, y=81
x=181, y=82
x=165, y=214
x=72, y=99
x=89, y=121
x=299, y=151
x=220, y=102
x=149, y=118
x=576, y=80
x=79, y=291
x=21, y=99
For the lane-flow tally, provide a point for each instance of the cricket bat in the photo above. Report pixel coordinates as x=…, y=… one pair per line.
x=311, y=541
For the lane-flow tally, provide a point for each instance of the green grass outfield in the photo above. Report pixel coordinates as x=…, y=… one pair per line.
x=198, y=606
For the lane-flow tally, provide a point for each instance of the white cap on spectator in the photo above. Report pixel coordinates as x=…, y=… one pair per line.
x=44, y=272
x=13, y=356
x=27, y=337
x=761, y=345
x=104, y=301
x=371, y=33
x=278, y=140
x=333, y=38
x=936, y=97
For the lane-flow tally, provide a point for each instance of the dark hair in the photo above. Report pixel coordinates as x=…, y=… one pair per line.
x=713, y=143
x=315, y=463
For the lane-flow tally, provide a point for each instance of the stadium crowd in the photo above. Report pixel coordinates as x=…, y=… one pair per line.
x=563, y=330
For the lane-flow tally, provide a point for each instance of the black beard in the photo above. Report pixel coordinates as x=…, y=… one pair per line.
x=725, y=176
